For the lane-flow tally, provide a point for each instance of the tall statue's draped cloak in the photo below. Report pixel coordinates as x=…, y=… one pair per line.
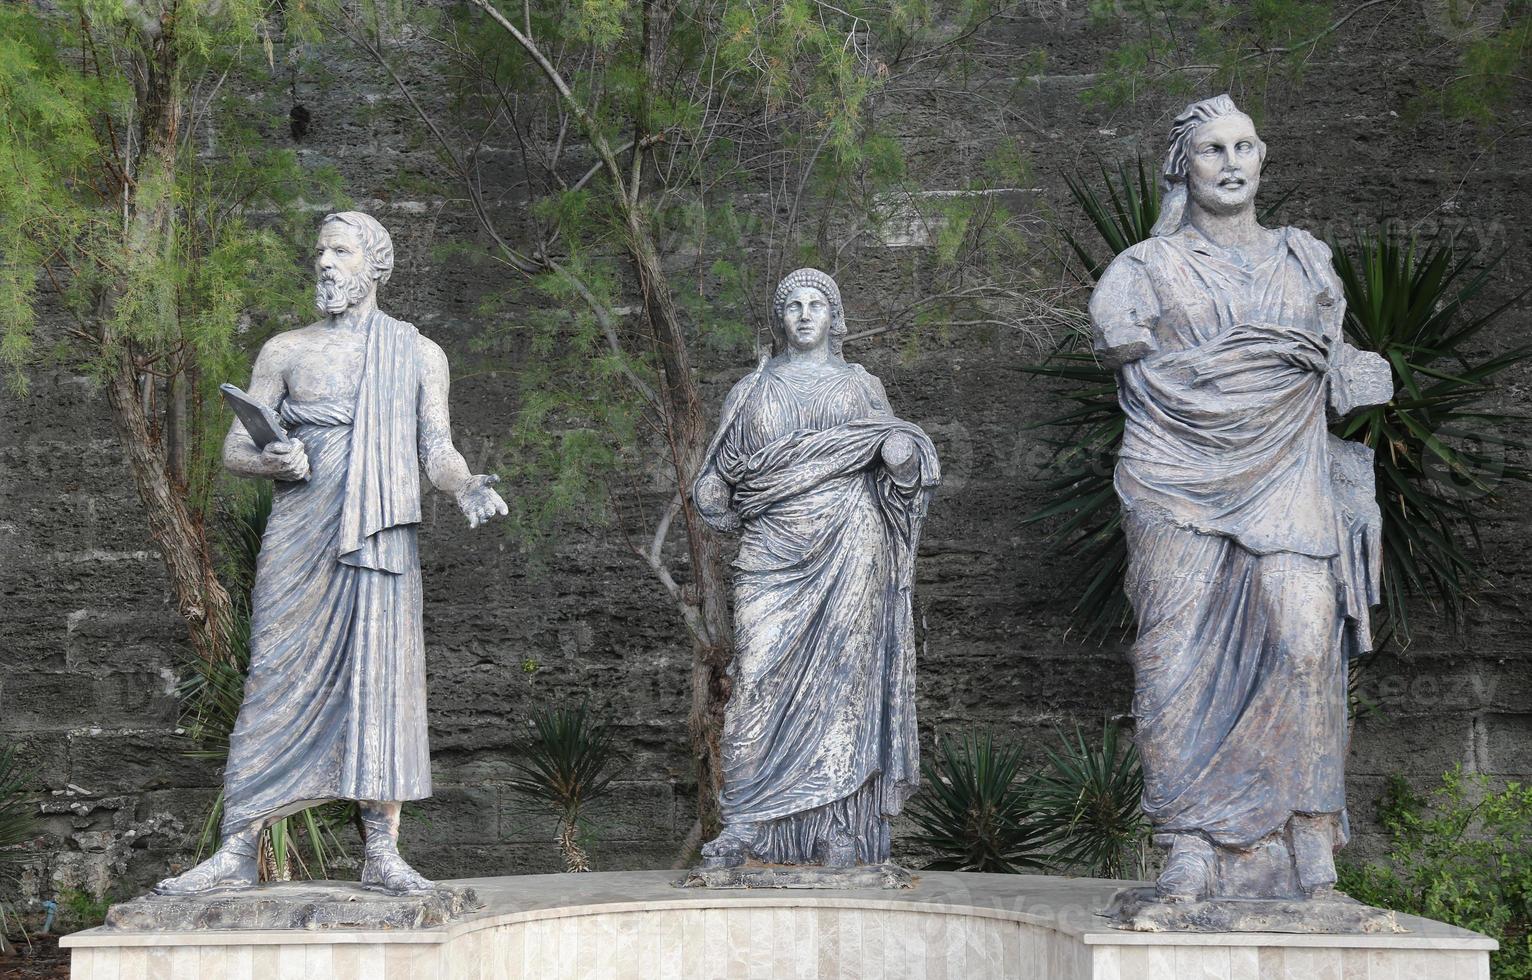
x=335, y=699
x=1252, y=532
x=819, y=738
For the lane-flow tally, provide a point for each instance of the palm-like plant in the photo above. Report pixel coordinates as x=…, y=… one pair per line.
x=1087, y=800
x=18, y=821
x=1083, y=458
x=1439, y=455
x=568, y=761
x=973, y=808
x=1440, y=452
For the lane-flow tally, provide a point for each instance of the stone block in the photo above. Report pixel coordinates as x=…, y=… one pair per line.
x=454, y=815
x=1508, y=745
x=107, y=760
x=1422, y=744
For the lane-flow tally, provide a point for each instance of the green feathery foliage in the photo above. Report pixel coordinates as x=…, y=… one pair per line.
x=974, y=810
x=1461, y=854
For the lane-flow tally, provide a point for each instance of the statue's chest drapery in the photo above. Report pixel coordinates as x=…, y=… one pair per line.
x=788, y=402
x=1204, y=290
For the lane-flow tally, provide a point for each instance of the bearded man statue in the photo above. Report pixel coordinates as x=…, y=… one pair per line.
x=335, y=700
x=1253, y=534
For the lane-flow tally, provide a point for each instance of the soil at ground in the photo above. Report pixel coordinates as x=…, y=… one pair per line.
x=41, y=959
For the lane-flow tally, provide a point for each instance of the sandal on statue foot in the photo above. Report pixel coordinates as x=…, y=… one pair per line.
x=229, y=867
x=389, y=873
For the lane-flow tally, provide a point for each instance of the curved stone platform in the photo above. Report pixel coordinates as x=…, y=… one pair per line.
x=638, y=925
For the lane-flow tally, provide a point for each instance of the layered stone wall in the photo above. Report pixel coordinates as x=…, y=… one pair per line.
x=90, y=646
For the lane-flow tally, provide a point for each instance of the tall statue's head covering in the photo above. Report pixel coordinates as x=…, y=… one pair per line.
x=1178, y=160
x=820, y=281
x=376, y=243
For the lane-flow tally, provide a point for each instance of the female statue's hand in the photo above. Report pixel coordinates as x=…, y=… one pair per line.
x=899, y=456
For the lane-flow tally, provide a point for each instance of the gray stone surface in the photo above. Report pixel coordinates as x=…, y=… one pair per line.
x=1141, y=910
x=293, y=905
x=756, y=875
x=829, y=491
x=83, y=596
x=1254, y=539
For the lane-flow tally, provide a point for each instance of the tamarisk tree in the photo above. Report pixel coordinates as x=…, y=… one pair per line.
x=125, y=185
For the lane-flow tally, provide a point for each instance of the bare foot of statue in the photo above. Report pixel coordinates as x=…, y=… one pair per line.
x=1188, y=874
x=727, y=850
x=233, y=865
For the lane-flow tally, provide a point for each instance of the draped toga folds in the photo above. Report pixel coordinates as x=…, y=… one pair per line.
x=819, y=734
x=335, y=700
x=1253, y=535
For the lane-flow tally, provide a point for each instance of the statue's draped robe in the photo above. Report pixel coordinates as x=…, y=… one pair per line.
x=335, y=700
x=1252, y=535
x=819, y=734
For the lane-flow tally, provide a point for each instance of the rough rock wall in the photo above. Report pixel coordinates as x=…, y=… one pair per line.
x=90, y=647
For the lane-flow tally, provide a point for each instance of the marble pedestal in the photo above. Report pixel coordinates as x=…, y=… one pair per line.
x=639, y=926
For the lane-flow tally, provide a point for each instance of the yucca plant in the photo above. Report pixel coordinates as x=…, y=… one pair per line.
x=972, y=808
x=1088, y=803
x=18, y=825
x=304, y=844
x=568, y=761
x=1441, y=452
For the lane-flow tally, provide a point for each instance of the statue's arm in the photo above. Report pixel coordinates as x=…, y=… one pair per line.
x=1123, y=313
x=445, y=466
x=1354, y=378
x=281, y=460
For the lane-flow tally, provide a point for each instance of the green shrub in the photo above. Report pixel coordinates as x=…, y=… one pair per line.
x=1461, y=854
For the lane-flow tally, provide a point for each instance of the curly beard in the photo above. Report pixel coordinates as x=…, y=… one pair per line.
x=335, y=294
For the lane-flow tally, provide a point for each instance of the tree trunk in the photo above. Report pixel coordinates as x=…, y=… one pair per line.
x=177, y=532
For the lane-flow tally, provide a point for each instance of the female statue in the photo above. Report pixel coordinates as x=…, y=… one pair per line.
x=1253, y=535
x=828, y=491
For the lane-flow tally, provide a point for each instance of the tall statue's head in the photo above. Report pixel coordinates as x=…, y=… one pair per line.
x=806, y=313
x=353, y=257
x=1215, y=160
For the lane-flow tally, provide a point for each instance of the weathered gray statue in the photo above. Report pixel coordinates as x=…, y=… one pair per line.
x=1253, y=534
x=828, y=491
x=335, y=702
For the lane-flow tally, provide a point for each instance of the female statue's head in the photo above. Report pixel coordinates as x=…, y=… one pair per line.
x=1215, y=159
x=806, y=313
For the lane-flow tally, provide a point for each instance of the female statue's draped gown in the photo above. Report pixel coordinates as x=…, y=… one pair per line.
x=819, y=741
x=1252, y=533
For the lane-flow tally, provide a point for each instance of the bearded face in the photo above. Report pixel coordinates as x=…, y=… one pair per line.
x=343, y=273
x=336, y=292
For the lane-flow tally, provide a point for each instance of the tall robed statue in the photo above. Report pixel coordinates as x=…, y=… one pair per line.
x=335, y=700
x=828, y=491
x=1253, y=533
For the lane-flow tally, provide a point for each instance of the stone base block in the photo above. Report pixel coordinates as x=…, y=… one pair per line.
x=638, y=926
x=1141, y=910
x=292, y=905
x=799, y=876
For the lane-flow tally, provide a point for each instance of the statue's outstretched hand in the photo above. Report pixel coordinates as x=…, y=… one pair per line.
x=478, y=500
